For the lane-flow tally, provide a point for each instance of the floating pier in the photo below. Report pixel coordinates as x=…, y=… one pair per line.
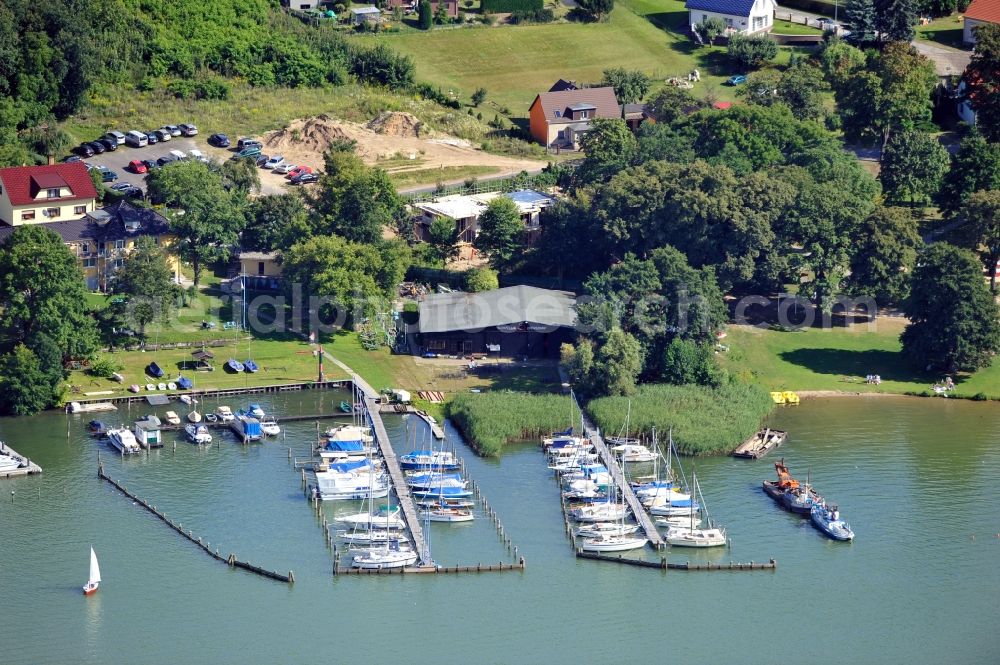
x=27, y=467
x=229, y=560
x=663, y=564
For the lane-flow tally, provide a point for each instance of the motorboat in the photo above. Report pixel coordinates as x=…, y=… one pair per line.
x=598, y=512
x=442, y=493
x=255, y=411
x=446, y=514
x=633, y=453
x=94, y=579
x=234, y=365
x=123, y=439
x=172, y=418
x=388, y=556
x=187, y=399
x=612, y=543
x=596, y=529
x=269, y=426
x=827, y=519
x=362, y=537
x=347, y=442
x=9, y=463
x=447, y=503
x=97, y=428
x=184, y=383
x=224, y=413
x=198, y=433
x=194, y=417
x=352, y=481
x=154, y=370
x=211, y=417
x=439, y=460
x=246, y=427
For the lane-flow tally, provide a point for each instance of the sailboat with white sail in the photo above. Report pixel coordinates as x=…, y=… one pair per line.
x=699, y=533
x=95, y=575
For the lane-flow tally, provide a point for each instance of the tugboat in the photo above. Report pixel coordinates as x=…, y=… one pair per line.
x=827, y=519
x=785, y=483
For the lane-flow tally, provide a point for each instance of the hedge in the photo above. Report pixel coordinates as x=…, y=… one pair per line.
x=506, y=6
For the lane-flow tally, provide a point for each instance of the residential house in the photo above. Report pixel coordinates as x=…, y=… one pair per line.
x=466, y=208
x=980, y=12
x=368, y=14
x=451, y=6
x=262, y=270
x=305, y=4
x=562, y=85
x=45, y=194
x=559, y=119
x=746, y=16
x=102, y=238
x=635, y=115
x=513, y=322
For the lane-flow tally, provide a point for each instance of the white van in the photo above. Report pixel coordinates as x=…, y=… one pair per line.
x=136, y=139
x=115, y=136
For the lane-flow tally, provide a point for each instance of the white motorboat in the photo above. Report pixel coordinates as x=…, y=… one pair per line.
x=123, y=439
x=347, y=482
x=9, y=463
x=194, y=417
x=255, y=411
x=596, y=529
x=610, y=543
x=383, y=519
x=269, y=426
x=172, y=418
x=187, y=399
x=674, y=521
x=224, y=414
x=347, y=442
x=447, y=514
x=633, y=452
x=198, y=433
x=363, y=537
x=389, y=555
x=598, y=512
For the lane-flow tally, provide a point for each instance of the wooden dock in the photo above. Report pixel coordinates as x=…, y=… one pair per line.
x=663, y=564
x=27, y=468
x=500, y=567
x=760, y=443
x=223, y=392
x=615, y=469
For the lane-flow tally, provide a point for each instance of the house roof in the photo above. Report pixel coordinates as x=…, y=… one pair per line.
x=366, y=10
x=22, y=183
x=984, y=10
x=122, y=220
x=464, y=206
x=563, y=84
x=731, y=7
x=258, y=256
x=452, y=312
x=634, y=111
x=555, y=104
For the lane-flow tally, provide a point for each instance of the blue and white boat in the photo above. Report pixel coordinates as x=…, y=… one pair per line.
x=154, y=370
x=827, y=519
x=443, y=493
x=246, y=427
x=234, y=365
x=440, y=460
x=352, y=481
x=256, y=411
x=434, y=479
x=250, y=366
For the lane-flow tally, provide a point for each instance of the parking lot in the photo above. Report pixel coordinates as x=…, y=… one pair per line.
x=117, y=161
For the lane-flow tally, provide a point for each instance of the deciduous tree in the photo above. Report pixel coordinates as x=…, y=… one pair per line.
x=884, y=256
x=630, y=85
x=982, y=80
x=610, y=147
x=751, y=51
x=501, y=233
x=975, y=167
x=146, y=278
x=442, y=237
x=913, y=164
x=275, y=222
x=981, y=230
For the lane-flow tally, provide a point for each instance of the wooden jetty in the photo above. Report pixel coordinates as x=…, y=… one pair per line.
x=27, y=467
x=229, y=560
x=615, y=469
x=760, y=443
x=435, y=570
x=223, y=392
x=663, y=564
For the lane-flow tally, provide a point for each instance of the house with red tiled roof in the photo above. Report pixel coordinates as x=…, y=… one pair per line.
x=50, y=193
x=559, y=119
x=978, y=13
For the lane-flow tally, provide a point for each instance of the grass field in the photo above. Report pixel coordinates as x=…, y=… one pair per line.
x=789, y=28
x=839, y=359
x=403, y=179
x=947, y=30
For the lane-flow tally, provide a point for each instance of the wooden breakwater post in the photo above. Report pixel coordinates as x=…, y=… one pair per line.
x=188, y=535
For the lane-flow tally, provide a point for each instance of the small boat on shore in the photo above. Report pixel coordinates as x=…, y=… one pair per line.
x=194, y=417
x=234, y=365
x=184, y=383
x=197, y=433
x=827, y=519
x=250, y=366
x=154, y=370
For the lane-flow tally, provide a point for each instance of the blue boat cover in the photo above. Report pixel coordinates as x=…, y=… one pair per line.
x=568, y=432
x=417, y=453
x=345, y=446
x=344, y=467
x=184, y=383
x=251, y=427
x=154, y=370
x=562, y=443
x=446, y=491
x=430, y=477
x=250, y=365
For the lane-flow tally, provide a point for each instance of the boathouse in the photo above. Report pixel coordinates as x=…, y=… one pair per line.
x=513, y=322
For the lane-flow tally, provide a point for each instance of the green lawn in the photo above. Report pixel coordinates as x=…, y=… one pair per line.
x=788, y=28
x=839, y=359
x=947, y=30
x=403, y=179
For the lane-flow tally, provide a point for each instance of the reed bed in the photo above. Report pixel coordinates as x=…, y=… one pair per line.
x=705, y=421
x=491, y=420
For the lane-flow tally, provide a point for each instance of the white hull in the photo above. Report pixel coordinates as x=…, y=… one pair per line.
x=172, y=418
x=673, y=511
x=124, y=441
x=225, y=414
x=603, y=513
x=194, y=417
x=612, y=544
x=447, y=515
x=353, y=495
x=8, y=463
x=380, y=560
x=696, y=537
x=605, y=529
x=366, y=521
x=198, y=434
x=95, y=407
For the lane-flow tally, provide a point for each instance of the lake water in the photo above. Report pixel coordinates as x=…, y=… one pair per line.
x=916, y=478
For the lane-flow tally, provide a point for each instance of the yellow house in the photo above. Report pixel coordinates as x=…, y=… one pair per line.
x=101, y=239
x=262, y=270
x=45, y=194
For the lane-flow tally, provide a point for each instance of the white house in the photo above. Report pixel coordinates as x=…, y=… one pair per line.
x=747, y=16
x=978, y=13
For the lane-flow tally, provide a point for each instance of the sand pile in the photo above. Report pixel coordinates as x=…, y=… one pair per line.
x=311, y=135
x=395, y=123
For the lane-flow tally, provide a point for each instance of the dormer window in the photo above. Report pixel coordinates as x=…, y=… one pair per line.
x=52, y=193
x=583, y=115
x=558, y=114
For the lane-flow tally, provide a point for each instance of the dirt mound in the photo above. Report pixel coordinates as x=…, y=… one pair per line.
x=313, y=134
x=396, y=123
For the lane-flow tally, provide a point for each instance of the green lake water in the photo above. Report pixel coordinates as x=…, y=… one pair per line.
x=916, y=478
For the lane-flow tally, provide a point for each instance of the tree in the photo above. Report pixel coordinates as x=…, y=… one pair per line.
x=630, y=85
x=913, y=165
x=841, y=62
x=751, y=51
x=610, y=146
x=578, y=361
x=710, y=28
x=618, y=363
x=894, y=20
x=801, y=87
x=275, y=222
x=426, y=19
x=24, y=389
x=860, y=15
x=241, y=176
x=671, y=103
x=883, y=259
x=43, y=293
x=953, y=317
x=501, y=233
x=146, y=278
x=597, y=9
x=209, y=218
x=761, y=88
x=982, y=80
x=479, y=96
x=442, y=237
x=686, y=362
x=482, y=279
x=441, y=13
x=981, y=231
x=976, y=166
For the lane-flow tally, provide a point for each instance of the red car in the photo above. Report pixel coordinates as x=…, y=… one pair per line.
x=137, y=166
x=298, y=170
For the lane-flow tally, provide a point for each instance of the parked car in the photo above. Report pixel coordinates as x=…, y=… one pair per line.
x=72, y=158
x=163, y=134
x=115, y=136
x=198, y=154
x=219, y=140
x=249, y=151
x=736, y=79
x=166, y=159
x=84, y=150
x=284, y=168
x=150, y=164
x=273, y=161
x=173, y=129
x=247, y=141
x=136, y=139
x=305, y=178
x=152, y=137
x=261, y=159
x=137, y=166
x=187, y=129
x=97, y=147
x=126, y=189
x=299, y=170
x=109, y=144
x=107, y=175
x=179, y=154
